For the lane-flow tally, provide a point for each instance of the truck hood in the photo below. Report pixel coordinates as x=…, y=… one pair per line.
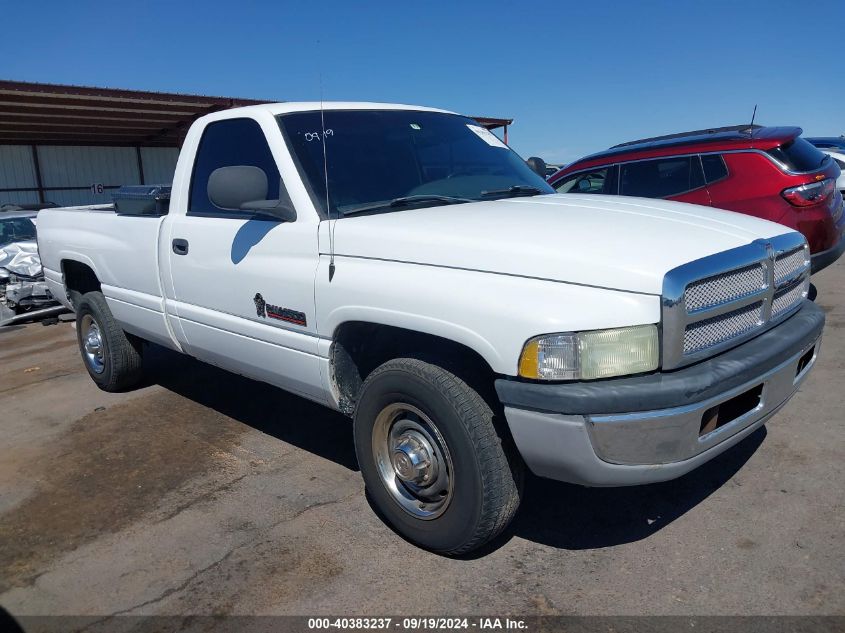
x=612, y=242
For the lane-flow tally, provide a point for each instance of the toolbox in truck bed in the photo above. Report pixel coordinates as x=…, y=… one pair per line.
x=142, y=199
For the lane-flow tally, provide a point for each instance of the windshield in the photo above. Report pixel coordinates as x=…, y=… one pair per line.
x=386, y=160
x=16, y=230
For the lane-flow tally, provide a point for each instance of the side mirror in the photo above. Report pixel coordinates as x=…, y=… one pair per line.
x=277, y=209
x=230, y=187
x=244, y=187
x=537, y=165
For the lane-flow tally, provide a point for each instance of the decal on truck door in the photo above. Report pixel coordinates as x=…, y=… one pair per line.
x=268, y=310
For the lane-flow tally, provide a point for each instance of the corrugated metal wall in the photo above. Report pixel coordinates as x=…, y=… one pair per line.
x=78, y=197
x=68, y=172
x=17, y=171
x=69, y=167
x=159, y=163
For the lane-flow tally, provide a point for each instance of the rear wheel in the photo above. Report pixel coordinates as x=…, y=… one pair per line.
x=431, y=458
x=111, y=356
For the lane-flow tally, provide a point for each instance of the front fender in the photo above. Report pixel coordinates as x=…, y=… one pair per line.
x=491, y=313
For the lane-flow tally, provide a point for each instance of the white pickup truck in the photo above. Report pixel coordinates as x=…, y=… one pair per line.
x=402, y=265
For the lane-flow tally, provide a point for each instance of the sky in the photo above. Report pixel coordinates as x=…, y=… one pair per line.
x=576, y=77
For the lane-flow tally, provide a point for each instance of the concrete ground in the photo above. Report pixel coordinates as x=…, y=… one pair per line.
x=206, y=493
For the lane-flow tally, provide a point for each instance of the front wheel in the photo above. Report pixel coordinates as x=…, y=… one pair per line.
x=431, y=458
x=111, y=356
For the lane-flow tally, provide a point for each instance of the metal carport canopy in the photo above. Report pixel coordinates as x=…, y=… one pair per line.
x=53, y=114
x=76, y=115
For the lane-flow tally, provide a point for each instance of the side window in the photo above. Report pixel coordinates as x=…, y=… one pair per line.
x=594, y=181
x=714, y=167
x=227, y=143
x=661, y=178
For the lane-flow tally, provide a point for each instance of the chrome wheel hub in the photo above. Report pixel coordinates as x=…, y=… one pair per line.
x=413, y=460
x=92, y=344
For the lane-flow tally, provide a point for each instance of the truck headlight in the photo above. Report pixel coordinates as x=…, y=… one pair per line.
x=589, y=355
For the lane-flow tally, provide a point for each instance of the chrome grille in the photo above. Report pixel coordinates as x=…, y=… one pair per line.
x=718, y=329
x=788, y=297
x=718, y=301
x=725, y=287
x=789, y=264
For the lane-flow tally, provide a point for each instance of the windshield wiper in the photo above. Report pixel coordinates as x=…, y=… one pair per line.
x=516, y=190
x=406, y=201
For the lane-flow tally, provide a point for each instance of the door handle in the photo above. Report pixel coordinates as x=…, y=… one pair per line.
x=180, y=246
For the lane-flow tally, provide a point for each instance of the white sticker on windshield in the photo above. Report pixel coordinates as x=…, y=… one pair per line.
x=487, y=136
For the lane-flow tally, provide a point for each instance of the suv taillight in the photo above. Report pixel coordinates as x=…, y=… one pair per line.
x=809, y=194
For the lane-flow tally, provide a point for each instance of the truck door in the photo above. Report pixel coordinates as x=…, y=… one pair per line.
x=243, y=283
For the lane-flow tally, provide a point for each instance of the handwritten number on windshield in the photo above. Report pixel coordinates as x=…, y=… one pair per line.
x=315, y=136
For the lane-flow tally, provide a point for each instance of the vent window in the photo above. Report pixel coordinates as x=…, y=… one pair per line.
x=714, y=167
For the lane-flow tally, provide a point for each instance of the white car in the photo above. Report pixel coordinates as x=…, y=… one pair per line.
x=23, y=293
x=839, y=157
x=403, y=266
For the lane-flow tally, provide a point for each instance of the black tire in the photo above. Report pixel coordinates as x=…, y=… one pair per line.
x=486, y=484
x=75, y=297
x=120, y=353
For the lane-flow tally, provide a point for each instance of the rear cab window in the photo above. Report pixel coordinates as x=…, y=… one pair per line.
x=799, y=155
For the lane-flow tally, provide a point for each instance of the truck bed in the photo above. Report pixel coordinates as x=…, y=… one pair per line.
x=102, y=208
x=123, y=249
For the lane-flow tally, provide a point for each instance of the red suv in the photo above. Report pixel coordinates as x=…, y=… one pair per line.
x=767, y=172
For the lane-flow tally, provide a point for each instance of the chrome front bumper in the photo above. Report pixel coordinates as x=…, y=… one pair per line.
x=656, y=444
x=670, y=435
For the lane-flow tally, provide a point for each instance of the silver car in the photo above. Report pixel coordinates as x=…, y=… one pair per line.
x=22, y=288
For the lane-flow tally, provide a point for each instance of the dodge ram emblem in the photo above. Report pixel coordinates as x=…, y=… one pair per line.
x=260, y=305
x=270, y=311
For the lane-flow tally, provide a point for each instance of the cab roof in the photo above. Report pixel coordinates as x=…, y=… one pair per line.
x=286, y=107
